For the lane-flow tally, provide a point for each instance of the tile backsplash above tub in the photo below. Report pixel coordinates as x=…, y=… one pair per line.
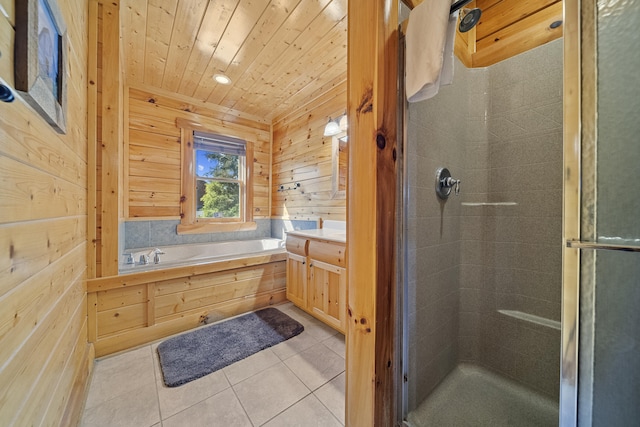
x=144, y=234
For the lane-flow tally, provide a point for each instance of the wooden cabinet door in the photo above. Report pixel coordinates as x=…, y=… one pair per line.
x=297, y=280
x=328, y=293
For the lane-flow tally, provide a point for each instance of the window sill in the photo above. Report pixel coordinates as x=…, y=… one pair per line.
x=218, y=227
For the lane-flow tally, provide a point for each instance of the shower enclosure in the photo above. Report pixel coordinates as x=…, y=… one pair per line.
x=482, y=286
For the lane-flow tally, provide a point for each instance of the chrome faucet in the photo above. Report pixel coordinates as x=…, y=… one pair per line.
x=156, y=255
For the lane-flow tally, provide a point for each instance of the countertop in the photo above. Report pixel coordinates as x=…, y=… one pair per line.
x=329, y=234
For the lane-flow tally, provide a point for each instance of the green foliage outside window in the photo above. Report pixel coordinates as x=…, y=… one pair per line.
x=218, y=188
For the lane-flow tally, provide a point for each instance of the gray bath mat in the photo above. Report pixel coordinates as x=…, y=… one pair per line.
x=195, y=354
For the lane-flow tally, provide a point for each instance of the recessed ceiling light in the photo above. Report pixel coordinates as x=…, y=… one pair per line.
x=222, y=79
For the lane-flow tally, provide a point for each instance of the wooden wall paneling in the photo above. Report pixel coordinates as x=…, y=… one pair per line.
x=68, y=410
x=92, y=138
x=189, y=283
x=126, y=280
x=37, y=194
x=134, y=337
x=213, y=25
x=111, y=139
x=26, y=370
x=7, y=39
x=507, y=12
x=55, y=363
x=92, y=317
x=519, y=37
x=372, y=101
x=117, y=298
x=154, y=155
x=220, y=291
x=33, y=248
x=134, y=23
x=9, y=11
x=36, y=298
x=302, y=154
x=126, y=306
x=150, y=296
x=121, y=319
x=124, y=154
x=160, y=16
x=43, y=195
x=176, y=101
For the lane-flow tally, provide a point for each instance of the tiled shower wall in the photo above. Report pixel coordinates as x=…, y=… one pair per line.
x=511, y=254
x=437, y=137
x=498, y=130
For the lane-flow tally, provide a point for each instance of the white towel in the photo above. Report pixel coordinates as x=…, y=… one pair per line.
x=429, y=49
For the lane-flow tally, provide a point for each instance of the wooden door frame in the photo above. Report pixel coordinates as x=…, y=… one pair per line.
x=372, y=110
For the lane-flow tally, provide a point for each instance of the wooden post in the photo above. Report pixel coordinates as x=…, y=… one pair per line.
x=111, y=137
x=372, y=105
x=92, y=137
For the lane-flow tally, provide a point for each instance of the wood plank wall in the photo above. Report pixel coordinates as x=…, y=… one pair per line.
x=302, y=154
x=152, y=144
x=44, y=356
x=506, y=28
x=510, y=27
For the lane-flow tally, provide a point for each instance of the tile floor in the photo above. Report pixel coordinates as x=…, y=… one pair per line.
x=299, y=382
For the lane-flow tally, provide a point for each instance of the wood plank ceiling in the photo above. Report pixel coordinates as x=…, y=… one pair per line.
x=279, y=54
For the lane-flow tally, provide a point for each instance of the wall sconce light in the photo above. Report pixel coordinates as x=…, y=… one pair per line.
x=343, y=123
x=332, y=128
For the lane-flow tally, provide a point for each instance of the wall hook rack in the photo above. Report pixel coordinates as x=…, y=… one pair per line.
x=294, y=187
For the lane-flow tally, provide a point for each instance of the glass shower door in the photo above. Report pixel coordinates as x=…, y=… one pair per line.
x=609, y=243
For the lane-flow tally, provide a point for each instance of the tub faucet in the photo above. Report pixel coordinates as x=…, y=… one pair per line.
x=156, y=255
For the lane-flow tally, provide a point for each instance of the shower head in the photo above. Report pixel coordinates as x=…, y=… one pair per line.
x=470, y=18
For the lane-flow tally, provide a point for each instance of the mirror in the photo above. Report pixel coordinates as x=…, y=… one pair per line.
x=340, y=162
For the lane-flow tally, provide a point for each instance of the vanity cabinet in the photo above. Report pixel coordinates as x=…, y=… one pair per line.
x=297, y=271
x=317, y=279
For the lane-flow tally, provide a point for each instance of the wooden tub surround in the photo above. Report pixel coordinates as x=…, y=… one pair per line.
x=317, y=275
x=127, y=310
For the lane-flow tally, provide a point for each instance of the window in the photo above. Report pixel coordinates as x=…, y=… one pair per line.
x=219, y=175
x=216, y=183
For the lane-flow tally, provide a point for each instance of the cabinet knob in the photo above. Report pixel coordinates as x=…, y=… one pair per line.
x=304, y=262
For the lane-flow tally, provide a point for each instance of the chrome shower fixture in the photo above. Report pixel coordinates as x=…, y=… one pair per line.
x=469, y=19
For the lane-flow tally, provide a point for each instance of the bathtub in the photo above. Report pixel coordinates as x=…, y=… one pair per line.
x=198, y=253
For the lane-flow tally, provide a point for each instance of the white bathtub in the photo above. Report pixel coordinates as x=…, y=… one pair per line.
x=199, y=253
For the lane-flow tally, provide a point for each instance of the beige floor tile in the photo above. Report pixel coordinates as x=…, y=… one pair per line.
x=294, y=345
x=309, y=412
x=250, y=366
x=313, y=326
x=268, y=393
x=223, y=409
x=119, y=374
x=337, y=344
x=175, y=399
x=136, y=408
x=332, y=396
x=316, y=366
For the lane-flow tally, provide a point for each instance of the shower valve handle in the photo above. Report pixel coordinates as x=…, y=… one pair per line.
x=450, y=182
x=445, y=183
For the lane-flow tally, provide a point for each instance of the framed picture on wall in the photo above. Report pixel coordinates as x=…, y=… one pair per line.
x=41, y=59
